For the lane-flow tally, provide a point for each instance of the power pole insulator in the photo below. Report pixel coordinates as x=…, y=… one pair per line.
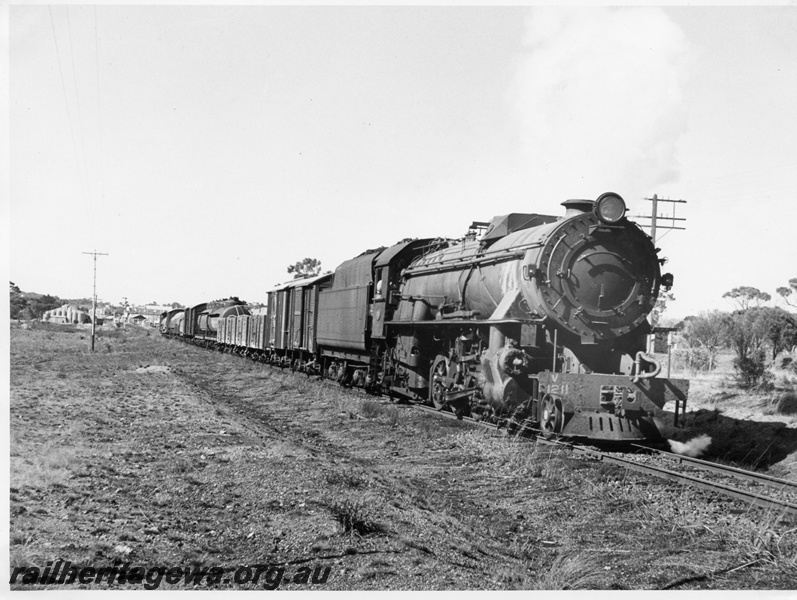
x=669, y=223
x=655, y=217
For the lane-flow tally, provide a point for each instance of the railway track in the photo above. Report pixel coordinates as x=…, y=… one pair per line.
x=781, y=496
x=756, y=489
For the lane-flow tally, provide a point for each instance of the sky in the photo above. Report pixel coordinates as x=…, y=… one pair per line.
x=203, y=149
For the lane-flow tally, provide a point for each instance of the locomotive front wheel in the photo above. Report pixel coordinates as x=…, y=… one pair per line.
x=551, y=416
x=437, y=382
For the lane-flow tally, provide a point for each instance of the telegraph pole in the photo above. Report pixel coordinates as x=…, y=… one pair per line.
x=655, y=217
x=669, y=223
x=94, y=298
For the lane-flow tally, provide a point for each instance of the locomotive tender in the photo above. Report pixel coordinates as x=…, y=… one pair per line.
x=540, y=322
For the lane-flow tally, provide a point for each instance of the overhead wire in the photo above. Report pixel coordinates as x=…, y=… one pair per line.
x=99, y=108
x=726, y=191
x=89, y=204
x=81, y=180
x=87, y=193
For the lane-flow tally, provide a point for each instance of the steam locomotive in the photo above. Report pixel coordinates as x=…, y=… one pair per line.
x=532, y=321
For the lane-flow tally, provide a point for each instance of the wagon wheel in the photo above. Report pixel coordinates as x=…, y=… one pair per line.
x=438, y=385
x=551, y=416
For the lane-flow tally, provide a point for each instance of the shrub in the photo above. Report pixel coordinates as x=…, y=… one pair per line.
x=792, y=366
x=371, y=410
x=355, y=516
x=347, y=478
x=751, y=369
x=786, y=404
x=698, y=359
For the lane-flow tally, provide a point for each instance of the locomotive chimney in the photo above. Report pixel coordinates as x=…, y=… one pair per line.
x=577, y=207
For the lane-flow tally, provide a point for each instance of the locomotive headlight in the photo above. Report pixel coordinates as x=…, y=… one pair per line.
x=610, y=208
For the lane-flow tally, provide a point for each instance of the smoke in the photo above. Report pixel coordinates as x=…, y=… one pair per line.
x=599, y=96
x=694, y=447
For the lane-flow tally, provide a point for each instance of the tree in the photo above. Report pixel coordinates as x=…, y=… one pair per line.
x=750, y=332
x=17, y=302
x=785, y=292
x=305, y=268
x=747, y=297
x=40, y=305
x=781, y=329
x=708, y=331
x=660, y=307
x=747, y=334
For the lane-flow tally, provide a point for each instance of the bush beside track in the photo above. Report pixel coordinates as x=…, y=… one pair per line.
x=154, y=452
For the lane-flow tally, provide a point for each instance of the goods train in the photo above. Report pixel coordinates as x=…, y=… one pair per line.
x=530, y=320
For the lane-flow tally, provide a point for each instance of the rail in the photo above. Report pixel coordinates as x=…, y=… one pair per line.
x=706, y=465
x=751, y=497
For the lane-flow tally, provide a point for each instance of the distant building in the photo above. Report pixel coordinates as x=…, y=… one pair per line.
x=143, y=318
x=68, y=313
x=158, y=308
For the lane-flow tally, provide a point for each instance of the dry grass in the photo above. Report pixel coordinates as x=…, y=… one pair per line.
x=785, y=403
x=51, y=465
x=766, y=540
x=348, y=478
x=224, y=461
x=356, y=514
x=749, y=428
x=568, y=572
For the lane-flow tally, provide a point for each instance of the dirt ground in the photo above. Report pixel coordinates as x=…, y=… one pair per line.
x=745, y=428
x=153, y=453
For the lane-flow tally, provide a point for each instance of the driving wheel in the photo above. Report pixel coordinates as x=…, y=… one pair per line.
x=439, y=382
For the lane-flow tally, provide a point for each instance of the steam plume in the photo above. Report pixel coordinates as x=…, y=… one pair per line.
x=694, y=447
x=598, y=92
